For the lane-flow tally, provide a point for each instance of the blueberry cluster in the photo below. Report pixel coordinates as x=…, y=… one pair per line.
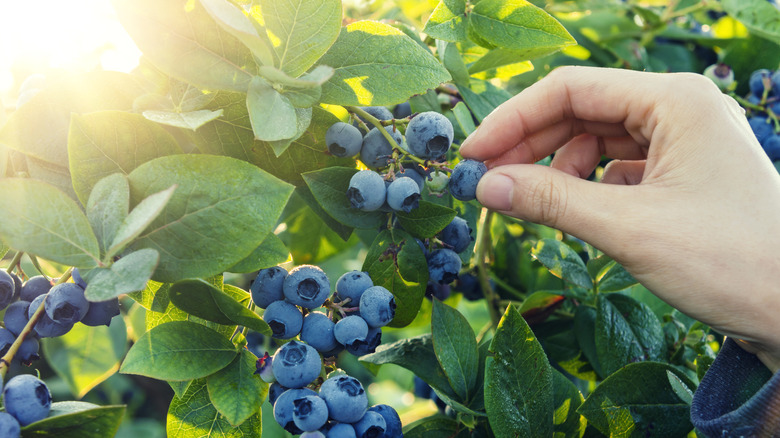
x=26, y=399
x=765, y=93
x=340, y=409
x=65, y=305
x=444, y=263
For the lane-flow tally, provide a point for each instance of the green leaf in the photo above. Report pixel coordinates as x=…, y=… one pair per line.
x=585, y=332
x=455, y=348
x=201, y=299
x=136, y=222
x=377, y=64
x=75, y=419
x=426, y=220
x=182, y=40
x=303, y=117
x=450, y=56
x=405, y=275
x=191, y=120
x=232, y=19
x=416, y=355
x=651, y=409
x=178, y=350
x=567, y=422
x=107, y=207
x=271, y=114
x=340, y=229
x=464, y=119
x=627, y=331
x=33, y=227
x=312, y=80
x=615, y=278
x=483, y=97
x=128, y=274
x=760, y=17
x=679, y=387
x=87, y=356
x=518, y=381
x=562, y=261
x=236, y=391
x=310, y=239
x=180, y=388
x=150, y=299
x=194, y=416
x=270, y=253
x=448, y=21
x=502, y=57
x=438, y=426
x=107, y=142
x=515, y=24
x=301, y=31
x=329, y=187
x=212, y=221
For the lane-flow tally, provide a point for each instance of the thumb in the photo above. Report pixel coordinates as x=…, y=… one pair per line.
x=589, y=210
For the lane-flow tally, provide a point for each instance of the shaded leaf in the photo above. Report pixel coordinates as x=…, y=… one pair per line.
x=270, y=253
x=455, y=348
x=236, y=391
x=562, y=261
x=136, y=222
x=74, y=419
x=193, y=416
x=329, y=187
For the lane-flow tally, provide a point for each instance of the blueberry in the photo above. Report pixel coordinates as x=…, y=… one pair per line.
x=757, y=81
x=9, y=427
x=379, y=112
x=429, y=135
x=285, y=405
x=413, y=174
x=254, y=342
x=17, y=286
x=422, y=389
x=267, y=286
x=274, y=391
x=376, y=150
x=317, y=331
x=772, y=147
x=362, y=348
x=27, y=398
x=47, y=327
x=439, y=291
x=468, y=285
x=341, y=430
x=335, y=352
x=762, y=128
x=402, y=110
x=7, y=289
x=78, y=279
x=65, y=303
x=346, y=399
x=34, y=287
x=457, y=234
x=296, y=364
x=437, y=181
x=775, y=79
x=350, y=329
x=264, y=368
x=343, y=140
x=352, y=285
x=755, y=100
x=310, y=413
x=307, y=286
x=28, y=351
x=377, y=306
x=16, y=317
x=6, y=339
x=371, y=425
x=366, y=191
x=464, y=179
x=285, y=319
x=101, y=312
x=403, y=194
x=392, y=420
x=313, y=434
x=443, y=266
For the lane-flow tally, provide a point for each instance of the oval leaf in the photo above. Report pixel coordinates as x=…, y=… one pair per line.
x=236, y=391
x=194, y=416
x=136, y=222
x=329, y=187
x=516, y=24
x=562, y=261
x=107, y=207
x=426, y=220
x=456, y=349
x=128, y=274
x=74, y=419
x=191, y=120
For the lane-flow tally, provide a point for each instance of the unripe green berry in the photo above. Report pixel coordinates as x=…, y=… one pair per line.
x=721, y=74
x=438, y=181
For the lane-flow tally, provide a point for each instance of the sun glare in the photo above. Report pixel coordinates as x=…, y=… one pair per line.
x=77, y=35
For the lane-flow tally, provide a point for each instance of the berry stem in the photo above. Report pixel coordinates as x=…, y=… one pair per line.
x=481, y=250
x=14, y=261
x=37, y=266
x=374, y=121
x=5, y=362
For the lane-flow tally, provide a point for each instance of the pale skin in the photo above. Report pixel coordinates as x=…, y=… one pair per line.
x=690, y=203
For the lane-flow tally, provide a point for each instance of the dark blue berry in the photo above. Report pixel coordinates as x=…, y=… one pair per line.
x=457, y=234
x=101, y=313
x=429, y=135
x=376, y=150
x=6, y=339
x=310, y=412
x=371, y=425
x=403, y=194
x=422, y=389
x=306, y=286
x=9, y=427
x=352, y=285
x=47, y=327
x=267, y=286
x=66, y=304
x=377, y=306
x=296, y=364
x=78, y=279
x=27, y=398
x=464, y=179
x=16, y=317
x=350, y=329
x=402, y=110
x=392, y=420
x=762, y=128
x=7, y=289
x=285, y=406
x=343, y=140
x=413, y=174
x=379, y=112
x=362, y=348
x=367, y=191
x=772, y=147
x=346, y=399
x=341, y=430
x=28, y=351
x=285, y=319
x=317, y=331
x=274, y=391
x=35, y=287
x=759, y=81
x=443, y=266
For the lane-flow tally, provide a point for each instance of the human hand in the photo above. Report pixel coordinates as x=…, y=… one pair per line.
x=691, y=202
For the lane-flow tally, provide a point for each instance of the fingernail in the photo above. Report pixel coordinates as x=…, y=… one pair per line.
x=495, y=191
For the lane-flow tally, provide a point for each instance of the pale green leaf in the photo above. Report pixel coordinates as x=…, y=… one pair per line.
x=136, y=222
x=235, y=22
x=128, y=274
x=448, y=21
x=188, y=120
x=107, y=207
x=236, y=391
x=272, y=115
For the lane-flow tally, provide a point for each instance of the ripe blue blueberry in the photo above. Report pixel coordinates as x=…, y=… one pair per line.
x=468, y=285
x=422, y=389
x=306, y=286
x=267, y=286
x=379, y=112
x=772, y=147
x=371, y=425
x=17, y=286
x=310, y=413
x=402, y=110
x=457, y=234
x=439, y=291
x=285, y=405
x=443, y=266
x=34, y=287
x=409, y=172
x=762, y=128
x=65, y=303
x=28, y=351
x=254, y=342
x=285, y=319
x=343, y=140
x=392, y=420
x=313, y=434
x=366, y=191
x=341, y=430
x=403, y=194
x=77, y=278
x=350, y=329
x=759, y=81
x=296, y=364
x=9, y=427
x=317, y=331
x=362, y=348
x=7, y=289
x=6, y=339
x=101, y=312
x=429, y=135
x=775, y=79
x=47, y=327
x=274, y=391
x=376, y=150
x=27, y=398
x=464, y=179
x=15, y=317
x=377, y=306
x=352, y=285
x=346, y=399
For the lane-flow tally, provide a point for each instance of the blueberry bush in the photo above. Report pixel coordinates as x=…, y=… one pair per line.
x=266, y=228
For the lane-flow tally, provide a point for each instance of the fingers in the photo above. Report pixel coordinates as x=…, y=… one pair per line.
x=624, y=172
x=581, y=155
